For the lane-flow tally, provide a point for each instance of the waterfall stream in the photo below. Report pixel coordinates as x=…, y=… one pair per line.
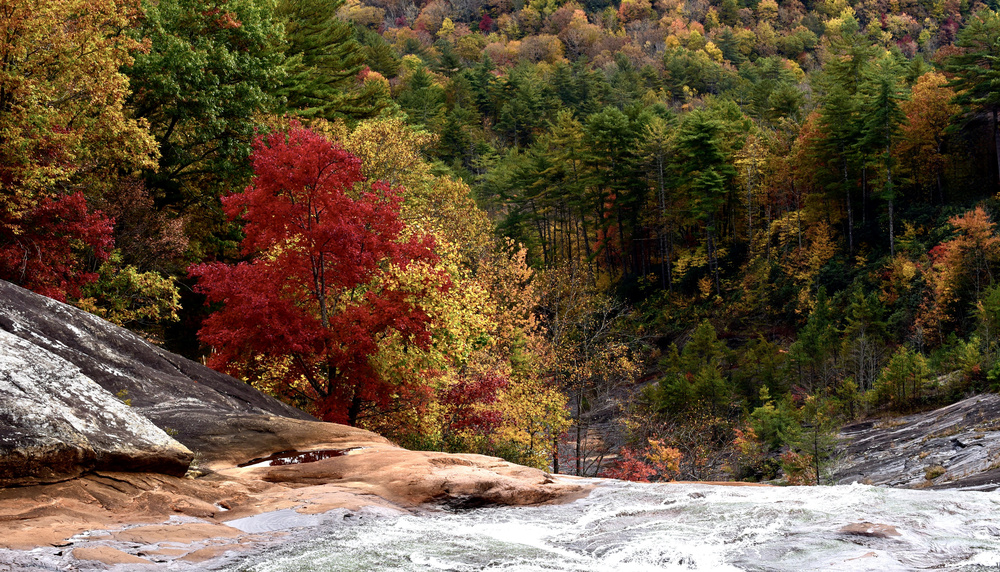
x=651, y=527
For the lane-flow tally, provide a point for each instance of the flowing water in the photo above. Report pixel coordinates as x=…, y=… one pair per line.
x=652, y=527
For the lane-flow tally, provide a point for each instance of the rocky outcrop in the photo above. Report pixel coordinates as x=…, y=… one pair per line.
x=62, y=372
x=410, y=479
x=158, y=382
x=871, y=530
x=56, y=423
x=954, y=447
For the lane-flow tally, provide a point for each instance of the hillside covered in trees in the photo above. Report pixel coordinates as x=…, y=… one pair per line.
x=696, y=236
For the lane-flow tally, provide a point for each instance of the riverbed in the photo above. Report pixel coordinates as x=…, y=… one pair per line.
x=651, y=527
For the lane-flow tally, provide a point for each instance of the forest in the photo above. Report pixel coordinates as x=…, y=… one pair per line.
x=647, y=240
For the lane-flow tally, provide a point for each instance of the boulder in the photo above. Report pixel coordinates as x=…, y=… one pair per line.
x=414, y=478
x=869, y=529
x=56, y=423
x=202, y=408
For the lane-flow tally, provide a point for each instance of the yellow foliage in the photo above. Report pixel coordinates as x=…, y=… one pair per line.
x=705, y=286
x=534, y=415
x=713, y=52
x=804, y=247
x=125, y=296
x=666, y=460
x=447, y=29
x=688, y=260
x=63, y=97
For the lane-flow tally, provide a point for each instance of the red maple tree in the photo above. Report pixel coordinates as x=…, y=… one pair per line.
x=45, y=243
x=315, y=294
x=470, y=404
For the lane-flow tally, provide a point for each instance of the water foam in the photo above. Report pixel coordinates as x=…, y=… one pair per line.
x=626, y=527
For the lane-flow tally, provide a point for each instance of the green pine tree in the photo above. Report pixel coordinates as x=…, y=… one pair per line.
x=707, y=173
x=882, y=117
x=324, y=60
x=976, y=71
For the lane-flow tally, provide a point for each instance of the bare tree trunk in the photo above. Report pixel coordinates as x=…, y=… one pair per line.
x=713, y=261
x=996, y=141
x=555, y=455
x=850, y=213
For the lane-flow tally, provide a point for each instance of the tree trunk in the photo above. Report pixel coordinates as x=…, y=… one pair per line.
x=664, y=237
x=541, y=233
x=579, y=432
x=750, y=208
x=864, y=197
x=996, y=141
x=354, y=411
x=713, y=261
x=586, y=236
x=892, y=196
x=555, y=455
x=850, y=213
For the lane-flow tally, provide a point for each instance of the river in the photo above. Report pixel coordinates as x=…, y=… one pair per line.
x=651, y=527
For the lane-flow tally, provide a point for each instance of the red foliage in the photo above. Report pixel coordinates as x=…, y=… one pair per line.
x=467, y=404
x=656, y=460
x=44, y=247
x=486, y=24
x=315, y=289
x=629, y=467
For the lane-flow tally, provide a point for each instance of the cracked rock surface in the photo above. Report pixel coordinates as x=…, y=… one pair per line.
x=954, y=447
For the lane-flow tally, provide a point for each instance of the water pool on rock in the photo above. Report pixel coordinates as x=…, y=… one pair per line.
x=651, y=527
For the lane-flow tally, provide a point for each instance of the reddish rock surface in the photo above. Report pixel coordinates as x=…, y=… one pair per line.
x=161, y=518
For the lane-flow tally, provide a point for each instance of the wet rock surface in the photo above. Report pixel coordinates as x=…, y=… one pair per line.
x=954, y=447
x=871, y=530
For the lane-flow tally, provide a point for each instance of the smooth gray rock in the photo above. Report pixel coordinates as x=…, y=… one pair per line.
x=186, y=399
x=56, y=423
x=954, y=447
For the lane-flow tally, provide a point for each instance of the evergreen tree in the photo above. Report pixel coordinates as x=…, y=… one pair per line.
x=612, y=139
x=835, y=151
x=817, y=437
x=814, y=349
x=706, y=173
x=977, y=71
x=882, y=118
x=864, y=337
x=422, y=99
x=694, y=376
x=564, y=144
x=843, y=73
x=324, y=61
x=379, y=54
x=523, y=103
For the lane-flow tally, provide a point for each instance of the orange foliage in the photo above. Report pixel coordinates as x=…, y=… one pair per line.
x=928, y=114
x=960, y=270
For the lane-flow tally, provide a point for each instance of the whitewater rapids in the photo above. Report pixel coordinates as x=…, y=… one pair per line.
x=652, y=527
